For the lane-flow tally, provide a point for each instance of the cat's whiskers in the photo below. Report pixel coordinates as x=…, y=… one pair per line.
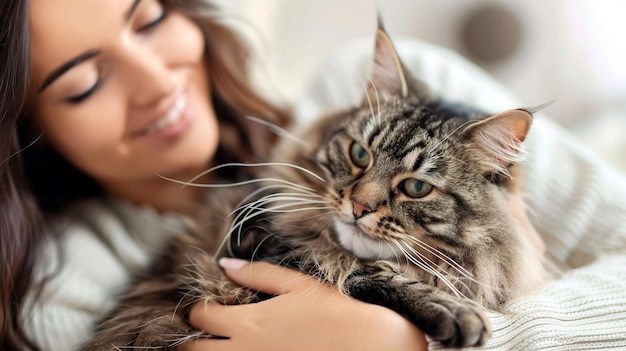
x=398, y=259
x=283, y=203
x=440, y=255
x=253, y=212
x=322, y=217
x=450, y=157
x=417, y=261
x=191, y=182
x=284, y=199
x=231, y=185
x=260, y=244
x=377, y=119
x=301, y=189
x=449, y=135
x=446, y=276
x=465, y=275
x=182, y=339
x=420, y=259
x=276, y=129
x=244, y=211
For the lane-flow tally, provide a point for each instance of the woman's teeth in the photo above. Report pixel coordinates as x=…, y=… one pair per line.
x=173, y=116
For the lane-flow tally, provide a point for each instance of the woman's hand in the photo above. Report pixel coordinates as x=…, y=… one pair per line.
x=305, y=315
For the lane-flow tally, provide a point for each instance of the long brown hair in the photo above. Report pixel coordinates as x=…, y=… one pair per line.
x=36, y=181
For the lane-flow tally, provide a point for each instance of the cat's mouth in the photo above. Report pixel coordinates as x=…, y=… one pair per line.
x=361, y=244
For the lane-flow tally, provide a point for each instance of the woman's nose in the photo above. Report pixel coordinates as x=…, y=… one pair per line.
x=147, y=75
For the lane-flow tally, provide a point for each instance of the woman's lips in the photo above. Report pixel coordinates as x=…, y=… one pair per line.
x=174, y=122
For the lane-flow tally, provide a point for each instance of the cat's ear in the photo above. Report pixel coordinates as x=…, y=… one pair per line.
x=499, y=139
x=387, y=77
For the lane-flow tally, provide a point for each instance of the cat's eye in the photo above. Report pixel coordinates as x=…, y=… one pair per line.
x=359, y=156
x=415, y=188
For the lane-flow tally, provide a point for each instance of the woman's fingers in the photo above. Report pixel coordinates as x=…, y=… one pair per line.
x=294, y=318
x=215, y=319
x=208, y=345
x=266, y=277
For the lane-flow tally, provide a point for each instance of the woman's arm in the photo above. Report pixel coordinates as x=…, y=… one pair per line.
x=305, y=315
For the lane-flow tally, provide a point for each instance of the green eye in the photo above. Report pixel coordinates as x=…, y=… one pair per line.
x=415, y=188
x=359, y=155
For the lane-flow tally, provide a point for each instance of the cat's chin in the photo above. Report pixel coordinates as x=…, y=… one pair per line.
x=360, y=244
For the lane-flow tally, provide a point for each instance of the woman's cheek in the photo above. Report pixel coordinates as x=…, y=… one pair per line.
x=180, y=41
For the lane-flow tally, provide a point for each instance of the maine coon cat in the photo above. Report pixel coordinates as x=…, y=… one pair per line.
x=406, y=201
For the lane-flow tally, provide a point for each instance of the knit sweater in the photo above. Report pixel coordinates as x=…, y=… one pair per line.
x=576, y=202
x=103, y=243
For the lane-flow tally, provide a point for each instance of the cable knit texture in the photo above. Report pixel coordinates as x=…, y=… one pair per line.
x=577, y=203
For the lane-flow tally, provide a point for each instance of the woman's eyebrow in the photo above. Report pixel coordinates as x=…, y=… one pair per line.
x=131, y=10
x=82, y=57
x=66, y=67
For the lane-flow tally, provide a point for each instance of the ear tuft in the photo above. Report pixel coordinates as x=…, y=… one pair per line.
x=387, y=77
x=499, y=139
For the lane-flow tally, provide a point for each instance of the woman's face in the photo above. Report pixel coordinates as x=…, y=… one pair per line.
x=124, y=93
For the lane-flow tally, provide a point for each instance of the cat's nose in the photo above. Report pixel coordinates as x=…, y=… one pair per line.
x=359, y=210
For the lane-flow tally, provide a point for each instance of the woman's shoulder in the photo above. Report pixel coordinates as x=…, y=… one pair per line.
x=93, y=251
x=112, y=219
x=109, y=229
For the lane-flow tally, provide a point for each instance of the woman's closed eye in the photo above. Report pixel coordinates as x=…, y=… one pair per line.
x=163, y=14
x=84, y=95
x=99, y=77
x=153, y=23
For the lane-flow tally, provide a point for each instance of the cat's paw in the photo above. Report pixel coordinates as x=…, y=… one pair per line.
x=455, y=323
x=450, y=320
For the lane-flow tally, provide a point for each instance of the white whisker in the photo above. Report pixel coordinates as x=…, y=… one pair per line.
x=450, y=134
x=256, y=208
x=376, y=115
x=241, y=164
x=302, y=191
x=408, y=251
x=282, y=132
x=413, y=259
x=435, y=252
x=256, y=249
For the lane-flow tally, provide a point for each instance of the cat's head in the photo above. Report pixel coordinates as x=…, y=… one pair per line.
x=407, y=171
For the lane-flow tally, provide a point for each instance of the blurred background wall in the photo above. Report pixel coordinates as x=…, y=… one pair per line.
x=569, y=51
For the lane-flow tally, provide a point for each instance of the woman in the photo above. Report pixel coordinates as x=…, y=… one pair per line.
x=97, y=99
x=579, y=202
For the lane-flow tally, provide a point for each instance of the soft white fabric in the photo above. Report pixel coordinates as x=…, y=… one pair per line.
x=577, y=203
x=102, y=243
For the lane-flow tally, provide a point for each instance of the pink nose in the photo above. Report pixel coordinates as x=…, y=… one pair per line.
x=359, y=210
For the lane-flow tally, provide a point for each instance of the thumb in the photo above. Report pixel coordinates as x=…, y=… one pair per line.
x=266, y=277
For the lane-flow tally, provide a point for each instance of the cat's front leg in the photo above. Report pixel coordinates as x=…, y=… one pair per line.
x=453, y=321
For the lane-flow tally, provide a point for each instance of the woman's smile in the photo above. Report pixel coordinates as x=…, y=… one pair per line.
x=129, y=96
x=170, y=124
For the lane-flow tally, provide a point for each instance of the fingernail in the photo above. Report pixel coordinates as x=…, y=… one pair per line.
x=232, y=264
